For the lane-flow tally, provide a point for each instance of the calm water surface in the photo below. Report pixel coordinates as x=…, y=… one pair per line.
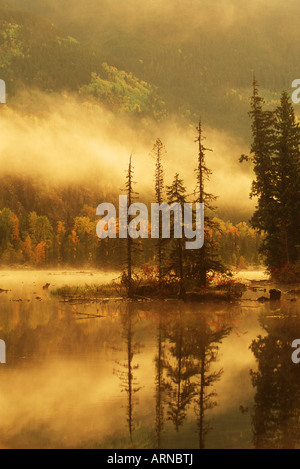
x=145, y=375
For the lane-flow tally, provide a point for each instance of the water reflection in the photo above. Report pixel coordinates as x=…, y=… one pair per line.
x=179, y=367
x=192, y=343
x=276, y=412
x=160, y=382
x=126, y=370
x=205, y=344
x=158, y=375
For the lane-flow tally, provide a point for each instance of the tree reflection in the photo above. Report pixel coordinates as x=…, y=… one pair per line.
x=205, y=343
x=180, y=368
x=160, y=383
x=277, y=381
x=194, y=340
x=127, y=368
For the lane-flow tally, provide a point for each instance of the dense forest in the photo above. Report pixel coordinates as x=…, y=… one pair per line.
x=139, y=68
x=42, y=226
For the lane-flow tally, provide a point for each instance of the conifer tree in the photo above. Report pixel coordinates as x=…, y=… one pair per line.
x=176, y=194
x=275, y=159
x=287, y=183
x=207, y=258
x=131, y=196
x=159, y=151
x=261, y=157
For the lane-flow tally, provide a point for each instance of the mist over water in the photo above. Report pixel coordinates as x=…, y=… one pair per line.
x=70, y=368
x=65, y=385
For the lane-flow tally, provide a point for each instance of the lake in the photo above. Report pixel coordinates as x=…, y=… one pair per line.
x=160, y=374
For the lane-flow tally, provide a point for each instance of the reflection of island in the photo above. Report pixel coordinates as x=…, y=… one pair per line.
x=180, y=368
x=160, y=383
x=205, y=344
x=126, y=369
x=191, y=347
x=276, y=423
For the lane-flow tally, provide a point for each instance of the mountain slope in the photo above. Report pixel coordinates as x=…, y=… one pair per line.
x=200, y=54
x=34, y=53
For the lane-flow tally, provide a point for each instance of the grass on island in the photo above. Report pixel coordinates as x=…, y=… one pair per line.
x=87, y=291
x=224, y=290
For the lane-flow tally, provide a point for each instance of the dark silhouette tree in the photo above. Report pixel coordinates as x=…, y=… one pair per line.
x=287, y=184
x=261, y=158
x=207, y=258
x=275, y=156
x=159, y=152
x=131, y=197
x=176, y=194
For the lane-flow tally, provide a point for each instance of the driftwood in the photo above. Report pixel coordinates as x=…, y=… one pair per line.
x=210, y=297
x=85, y=300
x=88, y=316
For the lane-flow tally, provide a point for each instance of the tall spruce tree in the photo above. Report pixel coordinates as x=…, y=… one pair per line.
x=205, y=259
x=158, y=152
x=261, y=153
x=131, y=197
x=287, y=183
x=262, y=159
x=275, y=159
x=176, y=194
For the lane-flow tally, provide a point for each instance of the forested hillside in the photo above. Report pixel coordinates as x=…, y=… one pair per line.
x=201, y=58
x=34, y=53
